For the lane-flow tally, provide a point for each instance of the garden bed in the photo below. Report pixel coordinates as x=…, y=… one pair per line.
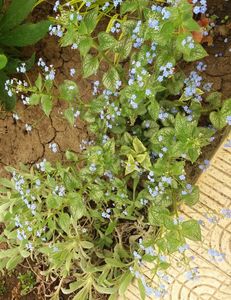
x=20, y=146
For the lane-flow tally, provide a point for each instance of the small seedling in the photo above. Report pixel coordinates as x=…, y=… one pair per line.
x=27, y=282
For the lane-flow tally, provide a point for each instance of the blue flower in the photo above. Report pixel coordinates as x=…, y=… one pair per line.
x=189, y=42
x=216, y=256
x=201, y=66
x=117, y=2
x=193, y=274
x=182, y=177
x=228, y=119
x=153, y=23
x=165, y=13
x=183, y=248
x=226, y=212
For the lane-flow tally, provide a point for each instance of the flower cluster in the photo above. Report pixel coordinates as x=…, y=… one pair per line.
x=165, y=71
x=49, y=71
x=200, y=6
x=189, y=42
x=192, y=83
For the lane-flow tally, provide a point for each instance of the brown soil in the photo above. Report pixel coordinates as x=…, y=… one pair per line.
x=17, y=146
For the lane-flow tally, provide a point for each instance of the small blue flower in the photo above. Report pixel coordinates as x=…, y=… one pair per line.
x=182, y=177
x=165, y=13
x=193, y=274
x=228, y=119
x=226, y=212
x=153, y=23
x=72, y=72
x=137, y=255
x=216, y=256
x=148, y=92
x=201, y=66
x=189, y=42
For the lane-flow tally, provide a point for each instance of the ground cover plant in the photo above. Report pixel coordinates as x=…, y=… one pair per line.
x=16, y=33
x=93, y=222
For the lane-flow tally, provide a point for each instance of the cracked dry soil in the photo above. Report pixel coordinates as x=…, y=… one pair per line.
x=18, y=146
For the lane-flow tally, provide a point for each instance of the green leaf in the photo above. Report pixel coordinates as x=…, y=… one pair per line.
x=110, y=228
x=191, y=24
x=141, y=157
x=141, y=290
x=128, y=6
x=34, y=99
x=166, y=33
x=68, y=91
x=64, y=222
x=124, y=48
x=90, y=20
x=39, y=82
x=77, y=207
x=85, y=44
x=154, y=110
x=138, y=146
x=112, y=262
x=90, y=65
x=146, y=163
x=193, y=197
x=157, y=215
x=7, y=183
x=131, y=165
x=193, y=153
x=69, y=115
x=46, y=101
x=71, y=156
x=3, y=209
x=86, y=244
x=173, y=241
x=106, y=41
x=110, y=78
x=82, y=294
x=104, y=290
x=16, y=13
x=191, y=230
x=124, y=282
x=113, y=296
x=217, y=119
x=214, y=100
x=52, y=202
x=25, y=35
x=226, y=108
x=185, y=50
x=13, y=262
x=8, y=253
x=197, y=53
x=3, y=61
x=183, y=128
x=73, y=286
x=24, y=253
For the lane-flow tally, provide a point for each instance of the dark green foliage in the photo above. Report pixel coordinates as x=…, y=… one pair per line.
x=15, y=34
